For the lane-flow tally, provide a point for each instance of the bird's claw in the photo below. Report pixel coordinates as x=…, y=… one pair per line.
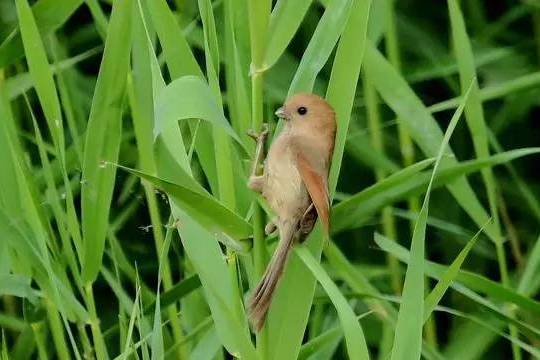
x=252, y=134
x=259, y=136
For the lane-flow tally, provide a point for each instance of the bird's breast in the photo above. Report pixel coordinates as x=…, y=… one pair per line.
x=284, y=189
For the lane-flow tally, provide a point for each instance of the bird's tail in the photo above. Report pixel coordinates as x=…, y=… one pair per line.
x=262, y=295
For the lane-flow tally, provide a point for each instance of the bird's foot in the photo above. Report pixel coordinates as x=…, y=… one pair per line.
x=307, y=222
x=260, y=138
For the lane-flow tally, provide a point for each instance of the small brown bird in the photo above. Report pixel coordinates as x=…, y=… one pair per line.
x=295, y=185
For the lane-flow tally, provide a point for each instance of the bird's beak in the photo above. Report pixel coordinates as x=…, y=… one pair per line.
x=282, y=114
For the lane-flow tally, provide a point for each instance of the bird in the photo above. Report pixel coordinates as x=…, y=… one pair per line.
x=294, y=183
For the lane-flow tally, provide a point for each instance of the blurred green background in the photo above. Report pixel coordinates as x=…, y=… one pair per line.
x=82, y=242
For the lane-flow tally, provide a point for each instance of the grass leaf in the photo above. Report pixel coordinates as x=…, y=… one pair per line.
x=354, y=336
x=284, y=22
x=433, y=298
x=408, y=335
x=202, y=206
x=103, y=138
x=189, y=98
x=356, y=209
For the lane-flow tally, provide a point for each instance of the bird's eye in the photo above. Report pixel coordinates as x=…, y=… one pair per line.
x=302, y=110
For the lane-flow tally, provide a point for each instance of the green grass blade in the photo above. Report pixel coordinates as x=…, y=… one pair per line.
x=177, y=292
x=411, y=181
x=18, y=285
x=468, y=281
x=494, y=329
x=421, y=126
x=49, y=15
x=433, y=298
x=103, y=138
x=474, y=112
x=41, y=73
x=178, y=55
x=203, y=207
x=408, y=335
x=189, y=98
x=354, y=336
x=320, y=46
x=531, y=269
x=327, y=338
x=181, y=62
x=22, y=82
x=284, y=22
x=4, y=351
x=502, y=89
x=133, y=316
x=157, y=347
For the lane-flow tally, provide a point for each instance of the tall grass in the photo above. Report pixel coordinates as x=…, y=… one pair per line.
x=127, y=229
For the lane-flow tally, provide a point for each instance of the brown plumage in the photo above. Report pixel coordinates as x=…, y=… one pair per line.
x=294, y=183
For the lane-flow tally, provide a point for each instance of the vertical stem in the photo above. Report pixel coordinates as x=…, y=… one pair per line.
x=259, y=243
x=83, y=338
x=97, y=336
x=57, y=331
x=37, y=329
x=259, y=14
x=259, y=246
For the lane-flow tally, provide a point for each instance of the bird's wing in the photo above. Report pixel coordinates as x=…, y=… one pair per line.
x=313, y=171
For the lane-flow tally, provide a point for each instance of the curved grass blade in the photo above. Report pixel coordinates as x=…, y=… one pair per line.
x=477, y=320
x=189, y=97
x=354, y=336
x=201, y=206
x=422, y=127
x=178, y=55
x=327, y=338
x=355, y=210
x=18, y=285
x=432, y=300
x=466, y=281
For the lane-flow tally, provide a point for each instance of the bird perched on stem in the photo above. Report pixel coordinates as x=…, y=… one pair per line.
x=294, y=183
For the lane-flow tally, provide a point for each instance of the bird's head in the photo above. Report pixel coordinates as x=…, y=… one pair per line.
x=307, y=111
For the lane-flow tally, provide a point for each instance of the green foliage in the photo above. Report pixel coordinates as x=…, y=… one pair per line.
x=127, y=227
